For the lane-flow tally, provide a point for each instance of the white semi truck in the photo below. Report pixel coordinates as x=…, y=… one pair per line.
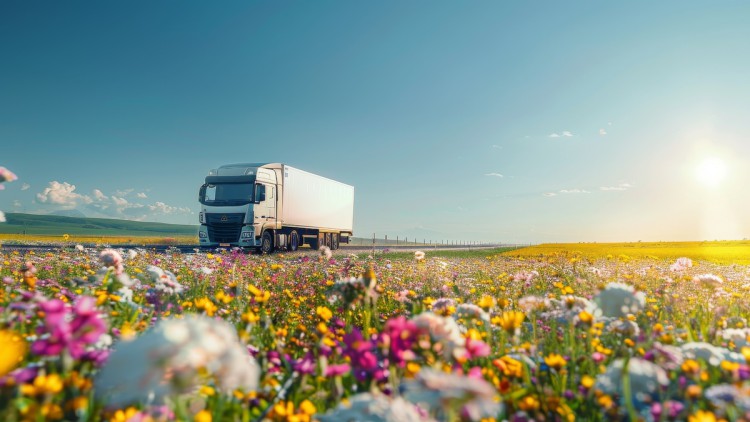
x=269, y=206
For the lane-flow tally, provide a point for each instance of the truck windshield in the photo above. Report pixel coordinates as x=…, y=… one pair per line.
x=227, y=194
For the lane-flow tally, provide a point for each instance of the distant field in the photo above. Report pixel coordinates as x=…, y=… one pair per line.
x=52, y=228
x=720, y=252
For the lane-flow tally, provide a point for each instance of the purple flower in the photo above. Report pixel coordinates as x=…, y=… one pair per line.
x=68, y=329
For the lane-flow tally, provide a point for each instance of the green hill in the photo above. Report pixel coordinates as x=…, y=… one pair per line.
x=35, y=224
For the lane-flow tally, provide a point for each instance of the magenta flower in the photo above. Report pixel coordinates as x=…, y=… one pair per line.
x=476, y=348
x=398, y=336
x=360, y=353
x=68, y=329
x=337, y=370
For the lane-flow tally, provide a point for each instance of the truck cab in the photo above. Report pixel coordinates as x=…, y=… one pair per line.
x=238, y=202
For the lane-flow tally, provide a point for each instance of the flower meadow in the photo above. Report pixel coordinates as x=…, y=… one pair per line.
x=107, y=334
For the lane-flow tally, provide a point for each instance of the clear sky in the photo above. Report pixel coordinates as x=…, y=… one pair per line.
x=485, y=120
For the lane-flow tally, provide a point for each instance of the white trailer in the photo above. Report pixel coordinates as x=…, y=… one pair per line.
x=273, y=206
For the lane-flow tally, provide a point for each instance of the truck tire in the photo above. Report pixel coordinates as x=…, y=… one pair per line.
x=266, y=243
x=334, y=241
x=293, y=241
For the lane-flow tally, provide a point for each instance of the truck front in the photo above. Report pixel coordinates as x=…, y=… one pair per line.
x=226, y=215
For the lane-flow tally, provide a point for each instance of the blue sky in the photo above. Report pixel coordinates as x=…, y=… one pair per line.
x=487, y=120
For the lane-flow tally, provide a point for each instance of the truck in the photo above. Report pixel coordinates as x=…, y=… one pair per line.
x=273, y=206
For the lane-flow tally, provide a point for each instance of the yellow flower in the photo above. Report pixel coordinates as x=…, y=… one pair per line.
x=203, y=416
x=555, y=361
x=585, y=317
x=324, y=313
x=12, y=351
x=702, y=416
x=510, y=367
x=486, y=302
x=588, y=381
x=510, y=321
x=307, y=407
x=528, y=403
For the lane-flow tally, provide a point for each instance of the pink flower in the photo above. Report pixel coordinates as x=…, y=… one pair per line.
x=476, y=348
x=112, y=258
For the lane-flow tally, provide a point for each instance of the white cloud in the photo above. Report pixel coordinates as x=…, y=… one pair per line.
x=567, y=134
x=99, y=196
x=17, y=203
x=124, y=192
x=497, y=147
x=554, y=135
x=120, y=202
x=494, y=174
x=25, y=186
x=141, y=195
x=550, y=194
x=602, y=132
x=620, y=187
x=62, y=194
x=162, y=208
x=574, y=191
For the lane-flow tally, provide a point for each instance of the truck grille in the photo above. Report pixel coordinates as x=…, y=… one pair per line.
x=224, y=228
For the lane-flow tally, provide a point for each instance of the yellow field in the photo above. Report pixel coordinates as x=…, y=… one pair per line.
x=724, y=252
x=109, y=240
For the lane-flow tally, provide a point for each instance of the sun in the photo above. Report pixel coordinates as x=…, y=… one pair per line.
x=711, y=171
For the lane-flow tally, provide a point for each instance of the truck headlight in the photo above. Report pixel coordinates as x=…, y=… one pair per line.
x=201, y=218
x=202, y=235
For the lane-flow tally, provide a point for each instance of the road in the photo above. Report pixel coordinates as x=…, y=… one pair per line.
x=192, y=248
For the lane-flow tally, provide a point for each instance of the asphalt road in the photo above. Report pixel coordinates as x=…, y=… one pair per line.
x=192, y=248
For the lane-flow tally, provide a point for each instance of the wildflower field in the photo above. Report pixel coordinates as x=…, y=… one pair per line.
x=104, y=334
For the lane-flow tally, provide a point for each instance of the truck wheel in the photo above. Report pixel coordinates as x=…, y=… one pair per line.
x=293, y=241
x=334, y=241
x=266, y=243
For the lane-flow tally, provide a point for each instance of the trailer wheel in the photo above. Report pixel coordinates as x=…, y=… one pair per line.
x=293, y=241
x=334, y=241
x=266, y=243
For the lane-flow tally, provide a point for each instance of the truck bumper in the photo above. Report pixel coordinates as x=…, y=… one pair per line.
x=247, y=239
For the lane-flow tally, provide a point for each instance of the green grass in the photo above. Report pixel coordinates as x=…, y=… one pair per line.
x=464, y=253
x=32, y=224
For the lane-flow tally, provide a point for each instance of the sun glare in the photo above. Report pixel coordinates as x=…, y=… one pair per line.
x=711, y=171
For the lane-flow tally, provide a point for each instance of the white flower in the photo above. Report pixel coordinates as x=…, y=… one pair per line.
x=373, y=408
x=471, y=311
x=681, y=264
x=132, y=254
x=206, y=270
x=618, y=300
x=645, y=379
x=80, y=248
x=444, y=331
x=418, y=255
x=325, y=252
x=708, y=280
x=164, y=281
x=112, y=259
x=170, y=358
x=126, y=295
x=624, y=327
x=738, y=336
x=438, y=391
x=712, y=354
